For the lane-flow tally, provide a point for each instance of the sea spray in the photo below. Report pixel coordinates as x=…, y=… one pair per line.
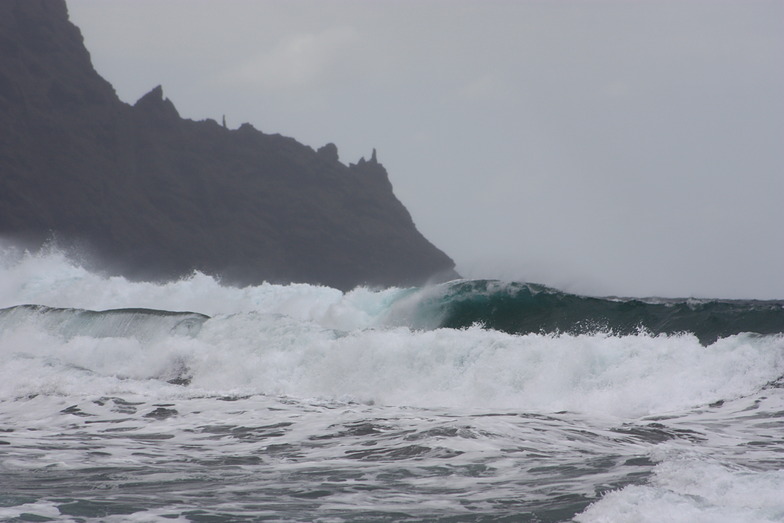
x=470, y=400
x=265, y=353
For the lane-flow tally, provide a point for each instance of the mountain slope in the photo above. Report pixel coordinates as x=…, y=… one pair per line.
x=152, y=195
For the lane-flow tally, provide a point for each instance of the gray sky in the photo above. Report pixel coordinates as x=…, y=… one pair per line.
x=603, y=147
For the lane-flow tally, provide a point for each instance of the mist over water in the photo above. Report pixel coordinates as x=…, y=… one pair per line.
x=301, y=402
x=601, y=148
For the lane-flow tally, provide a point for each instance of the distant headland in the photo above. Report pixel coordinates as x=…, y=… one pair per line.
x=154, y=196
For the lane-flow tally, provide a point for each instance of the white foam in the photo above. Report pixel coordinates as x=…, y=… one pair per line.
x=315, y=342
x=42, y=509
x=274, y=354
x=50, y=278
x=695, y=491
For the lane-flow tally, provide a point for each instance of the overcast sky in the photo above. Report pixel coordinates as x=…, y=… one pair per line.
x=604, y=147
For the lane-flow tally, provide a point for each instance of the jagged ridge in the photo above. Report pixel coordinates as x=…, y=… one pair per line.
x=154, y=195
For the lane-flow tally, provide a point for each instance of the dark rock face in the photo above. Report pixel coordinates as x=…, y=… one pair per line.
x=155, y=196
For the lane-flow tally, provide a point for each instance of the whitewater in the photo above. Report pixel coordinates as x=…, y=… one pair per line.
x=463, y=401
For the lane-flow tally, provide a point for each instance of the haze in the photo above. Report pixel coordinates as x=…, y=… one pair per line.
x=601, y=147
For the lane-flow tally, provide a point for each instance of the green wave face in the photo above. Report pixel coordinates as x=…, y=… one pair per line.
x=521, y=308
x=143, y=324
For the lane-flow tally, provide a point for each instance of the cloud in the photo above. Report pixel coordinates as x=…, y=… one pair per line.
x=298, y=60
x=616, y=89
x=488, y=87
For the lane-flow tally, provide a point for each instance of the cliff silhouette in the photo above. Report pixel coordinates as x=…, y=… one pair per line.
x=151, y=195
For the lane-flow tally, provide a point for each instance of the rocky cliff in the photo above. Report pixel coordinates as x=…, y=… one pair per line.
x=153, y=195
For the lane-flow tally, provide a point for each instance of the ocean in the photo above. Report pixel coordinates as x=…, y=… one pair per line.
x=473, y=400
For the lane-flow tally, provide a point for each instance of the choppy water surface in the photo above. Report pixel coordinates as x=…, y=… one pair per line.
x=235, y=458
x=190, y=401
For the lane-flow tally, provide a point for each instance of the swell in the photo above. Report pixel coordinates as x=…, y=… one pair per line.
x=513, y=308
x=521, y=308
x=131, y=351
x=143, y=324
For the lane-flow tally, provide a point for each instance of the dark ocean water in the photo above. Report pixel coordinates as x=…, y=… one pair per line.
x=523, y=308
x=466, y=401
